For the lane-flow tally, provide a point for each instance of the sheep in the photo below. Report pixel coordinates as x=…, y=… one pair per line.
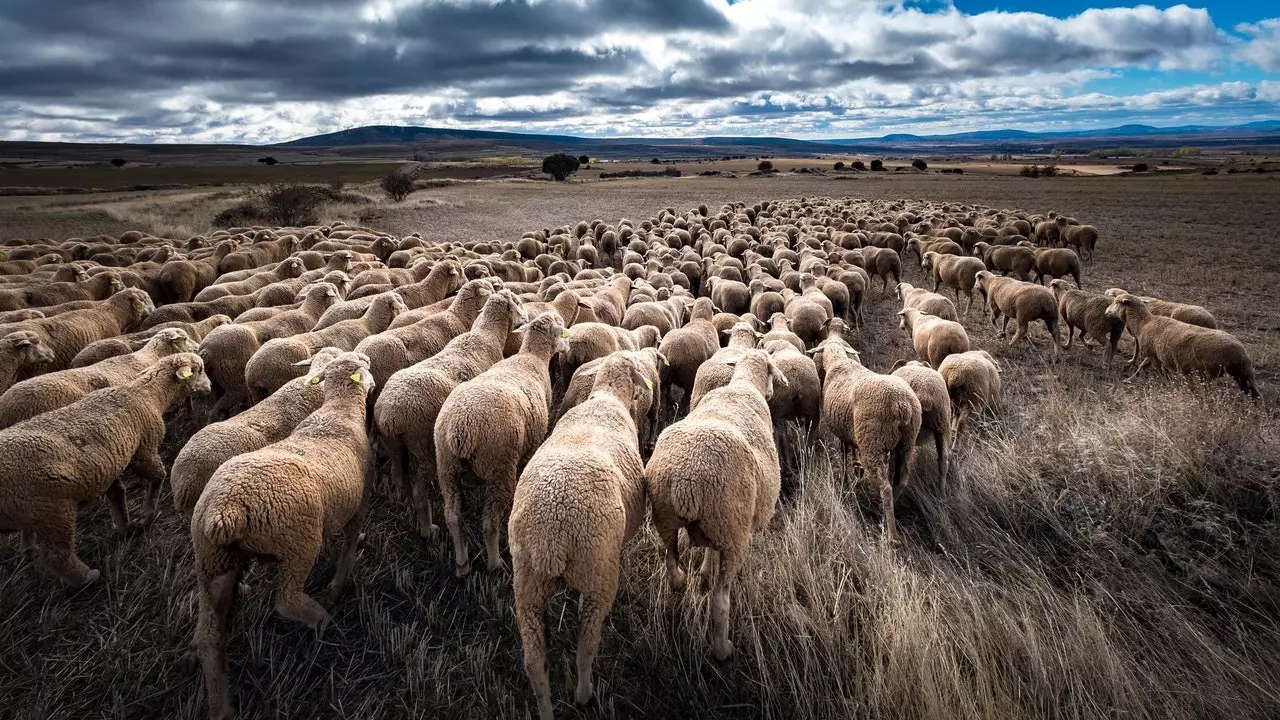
x=956, y=272
x=13, y=316
x=98, y=287
x=123, y=345
x=686, y=348
x=1088, y=312
x=75, y=454
x=280, y=360
x=578, y=502
x=226, y=350
x=1082, y=237
x=444, y=279
x=267, y=422
x=406, y=411
x=280, y=502
x=876, y=416
x=44, y=393
x=882, y=263
x=19, y=351
x=935, y=408
x=1190, y=314
x=716, y=475
x=805, y=318
x=800, y=399
x=1022, y=301
x=1055, y=263
x=489, y=426
x=934, y=338
x=973, y=382
x=926, y=302
x=179, y=280
x=647, y=403
x=1171, y=344
x=591, y=341
x=1007, y=259
x=285, y=270
x=67, y=334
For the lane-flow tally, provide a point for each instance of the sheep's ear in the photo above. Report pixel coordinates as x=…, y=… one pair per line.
x=522, y=329
x=356, y=377
x=331, y=292
x=23, y=342
x=662, y=357
x=759, y=334
x=300, y=363
x=185, y=372
x=316, y=380
x=814, y=351
x=897, y=365
x=727, y=332
x=565, y=334
x=584, y=305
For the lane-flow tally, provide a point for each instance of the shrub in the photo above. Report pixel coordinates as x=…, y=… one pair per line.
x=118, y=162
x=919, y=164
x=1030, y=171
x=877, y=166
x=560, y=165
x=858, y=165
x=1049, y=170
x=839, y=165
x=584, y=160
x=765, y=166
x=655, y=161
x=337, y=185
x=1141, y=167
x=268, y=161
x=1209, y=172
x=397, y=186
x=291, y=204
x=242, y=214
x=957, y=171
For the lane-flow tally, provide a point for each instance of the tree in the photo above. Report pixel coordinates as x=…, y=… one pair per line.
x=584, y=159
x=268, y=160
x=765, y=166
x=839, y=165
x=877, y=165
x=919, y=164
x=859, y=165
x=118, y=162
x=560, y=165
x=291, y=205
x=1141, y=167
x=655, y=161
x=397, y=186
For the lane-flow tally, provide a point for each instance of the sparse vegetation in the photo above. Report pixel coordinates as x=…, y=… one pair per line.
x=268, y=161
x=1035, y=171
x=765, y=166
x=839, y=165
x=877, y=165
x=397, y=186
x=919, y=164
x=584, y=159
x=560, y=166
x=118, y=162
x=859, y=165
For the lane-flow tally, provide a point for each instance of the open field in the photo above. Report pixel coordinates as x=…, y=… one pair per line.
x=1104, y=548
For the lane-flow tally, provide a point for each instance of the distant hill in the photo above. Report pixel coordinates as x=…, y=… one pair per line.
x=443, y=141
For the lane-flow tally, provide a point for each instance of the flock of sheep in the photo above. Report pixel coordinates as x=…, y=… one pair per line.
x=541, y=371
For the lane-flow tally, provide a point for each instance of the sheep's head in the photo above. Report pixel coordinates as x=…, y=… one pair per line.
x=188, y=368
x=1122, y=304
x=903, y=316
x=1059, y=286
x=928, y=260
x=342, y=372
x=29, y=346
x=174, y=340
x=113, y=282
x=982, y=281
x=139, y=302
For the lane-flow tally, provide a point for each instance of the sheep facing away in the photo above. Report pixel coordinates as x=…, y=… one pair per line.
x=579, y=500
x=75, y=454
x=716, y=475
x=280, y=502
x=1087, y=312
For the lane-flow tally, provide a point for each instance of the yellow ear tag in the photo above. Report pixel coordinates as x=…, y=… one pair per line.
x=648, y=383
x=139, y=307
x=564, y=334
x=355, y=377
x=315, y=380
x=186, y=372
x=664, y=362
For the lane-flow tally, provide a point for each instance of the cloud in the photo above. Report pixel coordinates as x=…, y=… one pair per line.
x=259, y=71
x=1263, y=47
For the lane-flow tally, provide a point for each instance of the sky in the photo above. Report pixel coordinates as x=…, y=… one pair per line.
x=263, y=71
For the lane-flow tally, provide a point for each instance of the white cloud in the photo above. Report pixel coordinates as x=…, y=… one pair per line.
x=1263, y=47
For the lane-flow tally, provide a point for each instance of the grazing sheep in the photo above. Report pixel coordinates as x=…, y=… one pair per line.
x=1007, y=259
x=280, y=502
x=1022, y=301
x=18, y=351
x=647, y=403
x=956, y=272
x=1088, y=312
x=282, y=359
x=716, y=372
x=1054, y=263
x=75, y=454
x=407, y=409
x=716, y=475
x=123, y=345
x=799, y=399
x=51, y=391
x=934, y=338
x=489, y=426
x=68, y=333
x=1171, y=344
x=927, y=302
x=1082, y=237
x=687, y=348
x=875, y=416
x=1190, y=314
x=267, y=422
x=935, y=408
x=882, y=263
x=579, y=500
x=973, y=382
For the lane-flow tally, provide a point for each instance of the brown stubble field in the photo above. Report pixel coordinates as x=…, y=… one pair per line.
x=1103, y=548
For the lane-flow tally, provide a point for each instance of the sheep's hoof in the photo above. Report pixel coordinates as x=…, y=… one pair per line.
x=430, y=532
x=583, y=694
x=322, y=624
x=89, y=578
x=496, y=566
x=721, y=650
x=188, y=662
x=677, y=580
x=462, y=570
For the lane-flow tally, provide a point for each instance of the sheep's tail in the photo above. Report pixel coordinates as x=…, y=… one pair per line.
x=225, y=524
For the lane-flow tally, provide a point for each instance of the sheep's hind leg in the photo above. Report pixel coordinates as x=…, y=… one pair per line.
x=217, y=597
x=292, y=601
x=119, y=505
x=498, y=497
x=447, y=475
x=55, y=553
x=352, y=537
x=596, y=603
x=730, y=560
x=533, y=594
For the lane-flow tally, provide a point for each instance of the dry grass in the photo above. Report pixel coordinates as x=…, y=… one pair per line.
x=1104, y=549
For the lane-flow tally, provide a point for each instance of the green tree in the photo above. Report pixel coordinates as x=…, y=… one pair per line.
x=765, y=166
x=560, y=166
x=877, y=165
x=919, y=164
